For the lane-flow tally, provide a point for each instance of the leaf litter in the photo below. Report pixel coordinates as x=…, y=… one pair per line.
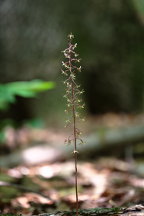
x=53, y=186
x=48, y=187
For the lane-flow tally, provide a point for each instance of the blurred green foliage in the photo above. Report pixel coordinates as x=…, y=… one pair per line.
x=139, y=5
x=26, y=89
x=9, y=91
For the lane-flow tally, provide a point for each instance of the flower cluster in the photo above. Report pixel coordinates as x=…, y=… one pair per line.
x=74, y=103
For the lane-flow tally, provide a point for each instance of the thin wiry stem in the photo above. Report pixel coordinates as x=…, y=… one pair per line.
x=75, y=151
x=74, y=135
x=73, y=102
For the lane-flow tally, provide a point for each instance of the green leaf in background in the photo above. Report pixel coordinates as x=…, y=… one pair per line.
x=139, y=5
x=27, y=89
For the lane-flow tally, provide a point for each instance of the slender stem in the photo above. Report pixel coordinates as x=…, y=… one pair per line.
x=75, y=150
x=74, y=135
x=72, y=89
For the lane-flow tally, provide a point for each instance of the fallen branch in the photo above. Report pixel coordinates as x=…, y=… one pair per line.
x=105, y=140
x=137, y=210
x=86, y=212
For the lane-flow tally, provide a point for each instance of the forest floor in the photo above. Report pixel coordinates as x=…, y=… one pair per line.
x=50, y=187
x=107, y=182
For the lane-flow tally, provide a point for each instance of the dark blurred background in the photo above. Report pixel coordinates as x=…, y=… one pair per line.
x=110, y=37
